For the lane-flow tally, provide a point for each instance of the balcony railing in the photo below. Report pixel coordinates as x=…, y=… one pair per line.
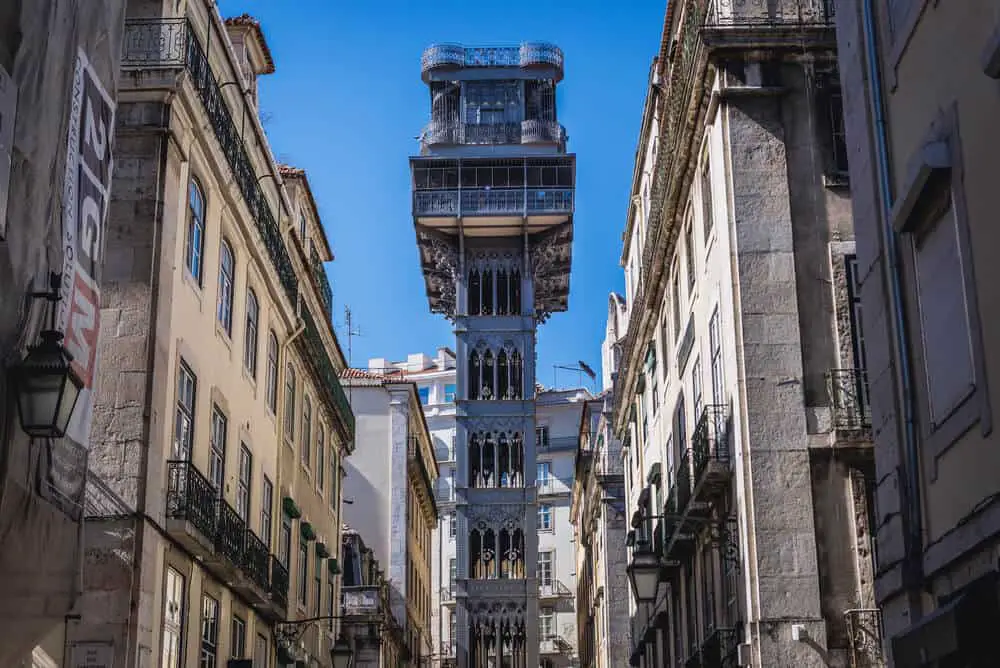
x=322, y=280
x=848, y=390
x=553, y=589
x=529, y=54
x=537, y=131
x=720, y=649
x=864, y=629
x=255, y=560
x=323, y=367
x=493, y=202
x=230, y=533
x=558, y=443
x=447, y=594
x=773, y=13
x=684, y=481
x=154, y=43
x=549, y=486
x=445, y=492
x=710, y=441
x=191, y=497
x=279, y=582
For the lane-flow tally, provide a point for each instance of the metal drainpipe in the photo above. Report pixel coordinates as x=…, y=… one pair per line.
x=912, y=487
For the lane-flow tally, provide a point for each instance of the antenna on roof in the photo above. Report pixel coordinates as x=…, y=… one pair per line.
x=351, y=333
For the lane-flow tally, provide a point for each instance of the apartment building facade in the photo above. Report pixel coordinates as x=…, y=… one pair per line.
x=43, y=92
x=600, y=526
x=923, y=158
x=741, y=400
x=219, y=421
x=390, y=482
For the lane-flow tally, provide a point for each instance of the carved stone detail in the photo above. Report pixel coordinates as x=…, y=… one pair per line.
x=440, y=260
x=550, y=258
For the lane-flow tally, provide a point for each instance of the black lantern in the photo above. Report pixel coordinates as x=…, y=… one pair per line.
x=341, y=653
x=644, y=574
x=46, y=386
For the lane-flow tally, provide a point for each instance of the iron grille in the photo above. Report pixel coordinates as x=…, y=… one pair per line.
x=279, y=582
x=711, y=438
x=191, y=497
x=255, y=560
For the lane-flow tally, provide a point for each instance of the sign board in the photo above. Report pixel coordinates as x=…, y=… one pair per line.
x=86, y=196
x=363, y=601
x=91, y=655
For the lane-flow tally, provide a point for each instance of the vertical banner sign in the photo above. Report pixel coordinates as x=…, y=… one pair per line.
x=86, y=195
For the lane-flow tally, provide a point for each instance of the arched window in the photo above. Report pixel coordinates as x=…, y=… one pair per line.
x=487, y=292
x=475, y=461
x=488, y=390
x=503, y=457
x=271, y=389
x=227, y=270
x=503, y=292
x=250, y=336
x=489, y=470
x=290, y=402
x=194, y=244
x=475, y=552
x=503, y=376
x=517, y=460
x=475, y=377
x=473, y=296
x=516, y=376
x=515, y=292
x=307, y=411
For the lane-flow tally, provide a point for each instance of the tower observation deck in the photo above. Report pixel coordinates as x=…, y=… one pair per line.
x=493, y=198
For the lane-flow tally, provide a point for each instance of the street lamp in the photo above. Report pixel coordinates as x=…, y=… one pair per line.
x=341, y=653
x=644, y=574
x=44, y=382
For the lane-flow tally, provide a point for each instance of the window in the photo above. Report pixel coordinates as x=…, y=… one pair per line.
x=835, y=110
x=285, y=541
x=680, y=426
x=449, y=393
x=266, y=503
x=243, y=490
x=306, y=430
x=545, y=569
x=209, y=631
x=664, y=342
x=238, y=638
x=425, y=395
x=452, y=574
x=302, y=227
x=675, y=298
x=452, y=634
x=173, y=619
x=330, y=596
x=707, y=203
x=320, y=458
x=654, y=392
x=289, y=403
x=250, y=336
x=195, y=243
x=303, y=581
x=334, y=480
x=271, y=391
x=452, y=524
x=544, y=517
x=187, y=386
x=261, y=652
x=217, y=456
x=689, y=260
x=543, y=471
x=227, y=269
x=545, y=623
x=696, y=388
x=541, y=437
x=318, y=585
x=715, y=350
x=945, y=333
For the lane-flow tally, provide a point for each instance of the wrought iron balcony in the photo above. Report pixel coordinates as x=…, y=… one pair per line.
x=711, y=447
x=191, y=497
x=848, y=391
x=154, y=43
x=864, y=630
x=720, y=649
x=493, y=202
x=773, y=13
x=554, y=644
x=553, y=589
x=230, y=534
x=323, y=367
x=529, y=54
x=551, y=486
x=683, y=483
x=279, y=582
x=322, y=280
x=534, y=131
x=256, y=561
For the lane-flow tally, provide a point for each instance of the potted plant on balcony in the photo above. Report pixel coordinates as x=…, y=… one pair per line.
x=290, y=509
x=321, y=551
x=307, y=531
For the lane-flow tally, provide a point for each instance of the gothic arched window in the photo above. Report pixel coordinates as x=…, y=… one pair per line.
x=516, y=375
x=503, y=376
x=473, y=297
x=503, y=292
x=488, y=385
x=475, y=377
x=475, y=461
x=487, y=292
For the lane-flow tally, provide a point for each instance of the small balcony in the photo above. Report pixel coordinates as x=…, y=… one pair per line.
x=230, y=540
x=255, y=566
x=279, y=586
x=712, y=452
x=848, y=394
x=776, y=13
x=535, y=131
x=492, y=202
x=720, y=649
x=455, y=56
x=864, y=630
x=191, y=508
x=551, y=487
x=556, y=595
x=554, y=644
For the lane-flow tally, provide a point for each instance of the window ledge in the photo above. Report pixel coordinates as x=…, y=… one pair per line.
x=933, y=158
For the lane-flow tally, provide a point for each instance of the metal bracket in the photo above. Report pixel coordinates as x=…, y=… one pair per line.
x=722, y=534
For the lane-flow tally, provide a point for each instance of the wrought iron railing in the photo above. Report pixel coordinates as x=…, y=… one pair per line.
x=559, y=443
x=255, y=560
x=710, y=441
x=323, y=367
x=230, y=533
x=447, y=594
x=684, y=486
x=534, y=130
x=848, y=391
x=322, y=280
x=864, y=630
x=720, y=649
x=774, y=13
x=279, y=582
x=154, y=43
x=191, y=497
x=528, y=54
x=493, y=202
x=553, y=589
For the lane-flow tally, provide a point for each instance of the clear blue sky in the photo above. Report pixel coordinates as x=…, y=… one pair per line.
x=346, y=103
